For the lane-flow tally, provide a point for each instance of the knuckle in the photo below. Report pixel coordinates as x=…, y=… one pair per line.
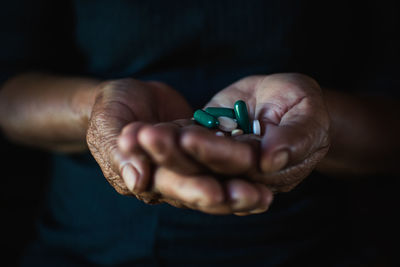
x=159, y=145
x=189, y=140
x=161, y=149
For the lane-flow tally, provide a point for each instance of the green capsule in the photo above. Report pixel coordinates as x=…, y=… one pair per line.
x=221, y=112
x=242, y=115
x=205, y=119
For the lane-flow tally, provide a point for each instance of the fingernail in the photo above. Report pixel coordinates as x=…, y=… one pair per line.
x=280, y=159
x=130, y=176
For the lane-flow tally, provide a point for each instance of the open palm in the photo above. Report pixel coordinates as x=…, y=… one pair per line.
x=294, y=131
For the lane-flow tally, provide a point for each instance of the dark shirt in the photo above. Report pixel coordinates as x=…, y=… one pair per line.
x=198, y=47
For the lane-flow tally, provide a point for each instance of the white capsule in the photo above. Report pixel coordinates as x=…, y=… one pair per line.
x=256, y=127
x=237, y=132
x=226, y=124
x=219, y=133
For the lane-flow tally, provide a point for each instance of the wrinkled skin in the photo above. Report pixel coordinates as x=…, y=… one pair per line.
x=134, y=126
x=294, y=131
x=295, y=137
x=119, y=103
x=294, y=126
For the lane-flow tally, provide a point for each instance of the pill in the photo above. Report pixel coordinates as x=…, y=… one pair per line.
x=242, y=115
x=237, y=132
x=219, y=133
x=205, y=119
x=226, y=124
x=256, y=127
x=218, y=112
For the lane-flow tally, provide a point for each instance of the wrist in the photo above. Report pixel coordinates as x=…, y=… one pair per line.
x=82, y=101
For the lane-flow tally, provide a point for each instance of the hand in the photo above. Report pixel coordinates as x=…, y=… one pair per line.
x=124, y=106
x=131, y=135
x=128, y=111
x=294, y=126
x=178, y=177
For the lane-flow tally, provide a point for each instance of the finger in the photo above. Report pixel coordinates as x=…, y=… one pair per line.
x=284, y=146
x=196, y=191
x=299, y=134
x=266, y=199
x=243, y=195
x=105, y=124
x=217, y=209
x=288, y=178
x=134, y=169
x=161, y=144
x=205, y=194
x=183, y=122
x=131, y=159
x=128, y=139
x=221, y=155
x=263, y=204
x=139, y=163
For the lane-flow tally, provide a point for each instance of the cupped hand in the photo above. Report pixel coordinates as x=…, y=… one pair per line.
x=294, y=131
x=134, y=127
x=127, y=105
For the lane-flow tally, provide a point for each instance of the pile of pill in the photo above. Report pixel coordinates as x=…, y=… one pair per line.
x=234, y=121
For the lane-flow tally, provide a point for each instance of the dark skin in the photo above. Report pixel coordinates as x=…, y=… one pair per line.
x=123, y=111
x=295, y=136
x=295, y=133
x=130, y=134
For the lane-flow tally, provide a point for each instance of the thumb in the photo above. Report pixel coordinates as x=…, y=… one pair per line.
x=291, y=142
x=126, y=172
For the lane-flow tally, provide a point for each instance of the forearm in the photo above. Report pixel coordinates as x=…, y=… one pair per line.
x=365, y=135
x=47, y=111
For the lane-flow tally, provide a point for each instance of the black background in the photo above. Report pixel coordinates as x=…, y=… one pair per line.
x=373, y=206
x=24, y=175
x=374, y=202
